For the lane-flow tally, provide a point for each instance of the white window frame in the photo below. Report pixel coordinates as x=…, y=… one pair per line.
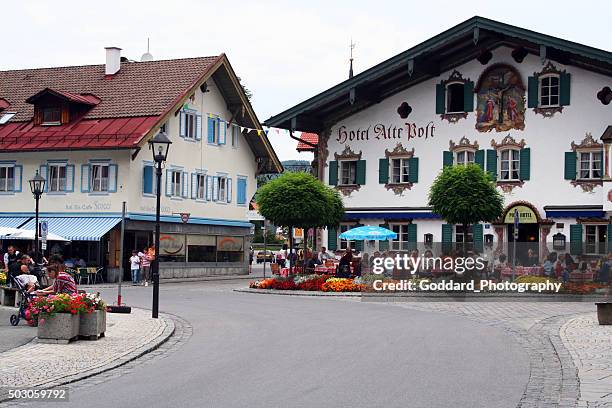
x=459, y=234
x=351, y=176
x=191, y=123
x=222, y=186
x=99, y=183
x=550, y=87
x=216, y=131
x=510, y=161
x=200, y=186
x=591, y=168
x=401, y=229
x=404, y=165
x=342, y=244
x=50, y=123
x=5, y=179
x=592, y=231
x=54, y=182
x=448, y=94
x=176, y=184
x=466, y=157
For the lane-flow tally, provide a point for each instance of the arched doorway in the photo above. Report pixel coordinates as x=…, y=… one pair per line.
x=528, y=233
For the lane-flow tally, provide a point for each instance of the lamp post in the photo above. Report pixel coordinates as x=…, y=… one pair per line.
x=159, y=145
x=37, y=185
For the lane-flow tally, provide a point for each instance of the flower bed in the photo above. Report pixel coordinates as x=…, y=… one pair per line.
x=321, y=283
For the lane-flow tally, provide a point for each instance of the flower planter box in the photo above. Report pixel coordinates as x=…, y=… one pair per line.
x=604, y=313
x=60, y=328
x=92, y=325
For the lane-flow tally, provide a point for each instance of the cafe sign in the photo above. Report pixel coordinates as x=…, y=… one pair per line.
x=526, y=215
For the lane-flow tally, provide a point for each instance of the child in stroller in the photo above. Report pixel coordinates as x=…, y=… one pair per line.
x=25, y=284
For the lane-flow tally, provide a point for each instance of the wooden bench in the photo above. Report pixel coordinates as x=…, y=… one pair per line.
x=9, y=296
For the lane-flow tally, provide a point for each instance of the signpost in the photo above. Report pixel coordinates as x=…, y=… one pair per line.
x=44, y=232
x=515, y=236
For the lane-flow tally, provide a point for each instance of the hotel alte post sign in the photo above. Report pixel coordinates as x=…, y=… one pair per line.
x=379, y=131
x=526, y=215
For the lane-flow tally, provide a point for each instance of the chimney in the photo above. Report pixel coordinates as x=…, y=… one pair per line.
x=113, y=60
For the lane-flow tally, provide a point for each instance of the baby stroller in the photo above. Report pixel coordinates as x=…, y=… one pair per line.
x=26, y=299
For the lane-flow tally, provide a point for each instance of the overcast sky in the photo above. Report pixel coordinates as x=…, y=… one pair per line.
x=284, y=52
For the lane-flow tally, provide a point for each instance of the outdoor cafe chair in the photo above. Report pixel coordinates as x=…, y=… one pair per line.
x=83, y=274
x=95, y=273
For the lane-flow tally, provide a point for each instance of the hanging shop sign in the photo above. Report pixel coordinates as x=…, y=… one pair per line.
x=380, y=131
x=525, y=215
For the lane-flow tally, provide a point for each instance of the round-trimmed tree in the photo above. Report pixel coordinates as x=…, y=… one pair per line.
x=465, y=195
x=299, y=200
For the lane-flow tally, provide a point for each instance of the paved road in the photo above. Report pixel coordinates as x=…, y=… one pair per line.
x=10, y=336
x=280, y=351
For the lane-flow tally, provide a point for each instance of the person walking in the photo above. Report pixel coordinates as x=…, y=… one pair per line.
x=145, y=266
x=135, y=267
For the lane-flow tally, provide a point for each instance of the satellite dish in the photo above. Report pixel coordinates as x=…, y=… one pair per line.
x=147, y=56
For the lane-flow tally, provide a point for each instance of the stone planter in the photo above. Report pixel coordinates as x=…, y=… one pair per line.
x=604, y=313
x=60, y=328
x=92, y=325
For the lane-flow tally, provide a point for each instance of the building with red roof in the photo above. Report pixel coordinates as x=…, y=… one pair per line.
x=85, y=129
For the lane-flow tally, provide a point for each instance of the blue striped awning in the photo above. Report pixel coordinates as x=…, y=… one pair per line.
x=78, y=228
x=390, y=215
x=12, y=222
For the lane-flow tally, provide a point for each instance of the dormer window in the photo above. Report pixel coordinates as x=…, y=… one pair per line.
x=51, y=115
x=5, y=117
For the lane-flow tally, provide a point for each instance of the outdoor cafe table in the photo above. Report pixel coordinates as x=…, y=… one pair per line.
x=522, y=270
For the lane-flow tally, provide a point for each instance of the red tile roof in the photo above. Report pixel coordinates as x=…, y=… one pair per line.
x=312, y=138
x=138, y=89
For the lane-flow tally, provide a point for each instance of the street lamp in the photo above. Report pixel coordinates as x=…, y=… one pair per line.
x=159, y=145
x=37, y=185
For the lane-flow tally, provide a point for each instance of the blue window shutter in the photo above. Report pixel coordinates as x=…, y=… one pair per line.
x=241, y=199
x=209, y=188
x=229, y=190
x=182, y=124
x=18, y=174
x=147, y=180
x=168, y=183
x=198, y=134
x=215, y=195
x=113, y=171
x=185, y=184
x=44, y=173
x=211, y=130
x=194, y=185
x=69, y=178
x=85, y=170
x=222, y=132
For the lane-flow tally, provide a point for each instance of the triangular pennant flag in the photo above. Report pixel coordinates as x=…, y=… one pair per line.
x=258, y=132
x=242, y=128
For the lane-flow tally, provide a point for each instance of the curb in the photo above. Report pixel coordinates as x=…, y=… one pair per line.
x=133, y=355
x=298, y=293
x=127, y=284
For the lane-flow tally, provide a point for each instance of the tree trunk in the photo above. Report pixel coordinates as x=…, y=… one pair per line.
x=465, y=238
x=290, y=256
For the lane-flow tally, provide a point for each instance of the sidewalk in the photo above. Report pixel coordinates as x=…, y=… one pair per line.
x=128, y=336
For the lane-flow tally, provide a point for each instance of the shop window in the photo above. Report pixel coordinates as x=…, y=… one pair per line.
x=459, y=234
x=509, y=165
x=596, y=238
x=201, y=248
x=230, y=249
x=400, y=170
x=549, y=91
x=590, y=165
x=455, y=98
x=172, y=248
x=348, y=172
x=401, y=242
x=428, y=238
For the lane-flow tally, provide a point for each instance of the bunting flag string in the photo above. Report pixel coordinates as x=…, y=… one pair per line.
x=278, y=131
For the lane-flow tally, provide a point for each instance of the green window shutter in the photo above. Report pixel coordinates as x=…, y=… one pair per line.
x=468, y=96
x=412, y=236
x=413, y=170
x=360, y=175
x=570, y=165
x=440, y=99
x=333, y=173
x=492, y=163
x=609, y=233
x=383, y=171
x=332, y=239
x=447, y=159
x=479, y=158
x=383, y=245
x=564, y=88
x=525, y=163
x=576, y=239
x=478, y=236
x=447, y=232
x=533, y=85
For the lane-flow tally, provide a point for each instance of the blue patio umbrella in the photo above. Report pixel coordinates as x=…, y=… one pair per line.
x=369, y=233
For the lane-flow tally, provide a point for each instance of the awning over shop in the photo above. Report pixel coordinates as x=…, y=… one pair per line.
x=389, y=214
x=78, y=228
x=575, y=211
x=12, y=222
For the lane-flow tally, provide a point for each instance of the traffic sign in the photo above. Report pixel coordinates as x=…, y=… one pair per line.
x=516, y=223
x=44, y=230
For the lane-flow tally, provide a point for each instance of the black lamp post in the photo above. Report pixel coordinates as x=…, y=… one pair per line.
x=37, y=185
x=159, y=145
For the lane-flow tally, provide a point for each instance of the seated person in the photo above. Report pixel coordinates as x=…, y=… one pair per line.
x=313, y=261
x=324, y=255
x=26, y=279
x=344, y=267
x=81, y=263
x=69, y=263
x=63, y=282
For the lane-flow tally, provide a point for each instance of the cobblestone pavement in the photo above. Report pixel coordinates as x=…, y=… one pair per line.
x=570, y=354
x=128, y=336
x=590, y=347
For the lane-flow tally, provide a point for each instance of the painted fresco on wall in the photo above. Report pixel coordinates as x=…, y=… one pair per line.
x=500, y=96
